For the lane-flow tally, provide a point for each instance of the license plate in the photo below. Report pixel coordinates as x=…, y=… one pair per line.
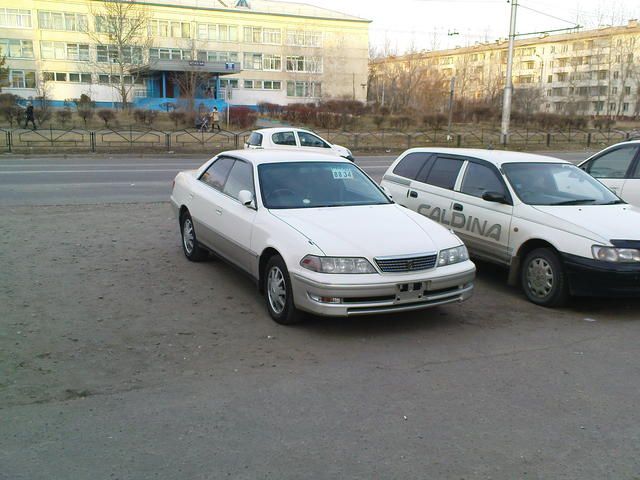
x=410, y=291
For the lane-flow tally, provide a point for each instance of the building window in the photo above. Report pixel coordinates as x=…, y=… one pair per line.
x=614, y=90
x=109, y=54
x=229, y=82
x=272, y=63
x=299, y=63
x=627, y=90
x=625, y=107
x=213, y=56
x=227, y=33
x=252, y=61
x=22, y=79
x=272, y=36
x=15, y=18
x=263, y=84
x=166, y=28
x=66, y=77
x=253, y=34
x=72, y=22
x=616, y=75
x=301, y=38
x=169, y=54
x=304, y=89
x=598, y=106
x=612, y=106
x=16, y=48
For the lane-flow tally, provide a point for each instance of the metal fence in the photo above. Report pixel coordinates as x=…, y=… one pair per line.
x=107, y=140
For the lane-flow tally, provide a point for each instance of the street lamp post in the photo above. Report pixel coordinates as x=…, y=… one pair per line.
x=508, y=87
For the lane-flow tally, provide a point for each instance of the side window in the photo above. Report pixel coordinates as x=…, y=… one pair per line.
x=411, y=165
x=636, y=174
x=284, y=138
x=217, y=173
x=255, y=139
x=240, y=178
x=444, y=172
x=309, y=140
x=479, y=179
x=613, y=164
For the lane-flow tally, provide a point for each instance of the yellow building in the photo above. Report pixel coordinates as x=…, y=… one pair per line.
x=246, y=52
x=593, y=72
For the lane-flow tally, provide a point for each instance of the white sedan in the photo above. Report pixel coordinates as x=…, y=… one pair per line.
x=317, y=235
x=288, y=138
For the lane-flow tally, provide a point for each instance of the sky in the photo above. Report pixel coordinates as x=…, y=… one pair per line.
x=401, y=25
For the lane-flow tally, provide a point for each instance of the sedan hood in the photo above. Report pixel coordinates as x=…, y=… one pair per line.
x=368, y=231
x=604, y=222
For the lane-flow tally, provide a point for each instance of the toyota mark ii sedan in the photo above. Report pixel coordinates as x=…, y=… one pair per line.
x=557, y=229
x=317, y=235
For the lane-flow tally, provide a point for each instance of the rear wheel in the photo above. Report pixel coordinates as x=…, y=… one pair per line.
x=190, y=246
x=543, y=278
x=278, y=293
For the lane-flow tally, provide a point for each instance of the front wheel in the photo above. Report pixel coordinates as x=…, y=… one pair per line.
x=190, y=246
x=543, y=278
x=278, y=293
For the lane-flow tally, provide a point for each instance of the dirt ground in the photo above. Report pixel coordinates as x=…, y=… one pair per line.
x=107, y=331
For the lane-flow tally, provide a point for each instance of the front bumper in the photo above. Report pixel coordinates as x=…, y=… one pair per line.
x=595, y=278
x=384, y=295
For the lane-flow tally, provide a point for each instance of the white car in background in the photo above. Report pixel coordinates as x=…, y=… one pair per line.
x=286, y=138
x=317, y=235
x=557, y=229
x=618, y=167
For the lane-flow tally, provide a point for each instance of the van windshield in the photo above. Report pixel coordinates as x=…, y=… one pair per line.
x=556, y=184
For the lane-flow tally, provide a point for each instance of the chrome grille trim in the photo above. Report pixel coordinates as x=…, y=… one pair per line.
x=407, y=263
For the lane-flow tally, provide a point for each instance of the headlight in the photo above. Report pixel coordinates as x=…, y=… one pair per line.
x=612, y=254
x=337, y=264
x=453, y=255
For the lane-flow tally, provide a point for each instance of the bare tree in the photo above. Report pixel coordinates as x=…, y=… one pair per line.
x=122, y=38
x=4, y=72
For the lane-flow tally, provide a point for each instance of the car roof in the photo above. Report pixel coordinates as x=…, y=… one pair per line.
x=265, y=131
x=497, y=157
x=258, y=157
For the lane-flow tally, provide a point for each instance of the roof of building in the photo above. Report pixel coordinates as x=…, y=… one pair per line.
x=497, y=157
x=261, y=7
x=501, y=44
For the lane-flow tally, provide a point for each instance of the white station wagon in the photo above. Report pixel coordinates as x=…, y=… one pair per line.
x=317, y=235
x=289, y=138
x=558, y=229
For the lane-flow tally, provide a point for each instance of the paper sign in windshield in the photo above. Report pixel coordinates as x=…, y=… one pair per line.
x=341, y=173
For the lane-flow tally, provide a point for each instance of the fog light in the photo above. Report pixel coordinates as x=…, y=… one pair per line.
x=319, y=299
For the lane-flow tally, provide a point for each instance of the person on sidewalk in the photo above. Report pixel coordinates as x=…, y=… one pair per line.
x=215, y=119
x=29, y=116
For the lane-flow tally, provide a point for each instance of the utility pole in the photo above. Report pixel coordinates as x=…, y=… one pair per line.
x=508, y=87
x=451, y=95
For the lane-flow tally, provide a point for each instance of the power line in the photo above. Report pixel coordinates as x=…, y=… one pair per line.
x=546, y=14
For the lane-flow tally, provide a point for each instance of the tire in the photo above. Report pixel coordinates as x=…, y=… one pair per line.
x=280, y=300
x=543, y=278
x=190, y=246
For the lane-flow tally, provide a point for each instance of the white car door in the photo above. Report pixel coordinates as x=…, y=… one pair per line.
x=235, y=220
x=206, y=193
x=285, y=140
x=398, y=181
x=432, y=192
x=613, y=166
x=631, y=189
x=484, y=224
x=312, y=143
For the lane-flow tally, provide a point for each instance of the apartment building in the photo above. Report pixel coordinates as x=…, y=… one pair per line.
x=244, y=52
x=593, y=72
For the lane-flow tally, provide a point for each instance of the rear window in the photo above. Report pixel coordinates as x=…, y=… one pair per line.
x=284, y=138
x=444, y=172
x=410, y=166
x=255, y=139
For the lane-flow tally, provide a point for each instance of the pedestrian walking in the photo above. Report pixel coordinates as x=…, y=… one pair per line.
x=215, y=119
x=29, y=116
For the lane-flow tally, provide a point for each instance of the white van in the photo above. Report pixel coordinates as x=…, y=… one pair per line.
x=556, y=228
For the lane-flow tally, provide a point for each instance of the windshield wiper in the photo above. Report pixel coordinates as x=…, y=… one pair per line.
x=576, y=201
x=614, y=202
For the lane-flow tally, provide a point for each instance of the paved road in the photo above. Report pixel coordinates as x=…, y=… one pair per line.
x=95, y=179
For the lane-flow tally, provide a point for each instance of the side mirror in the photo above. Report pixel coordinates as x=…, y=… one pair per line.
x=387, y=192
x=494, y=197
x=246, y=198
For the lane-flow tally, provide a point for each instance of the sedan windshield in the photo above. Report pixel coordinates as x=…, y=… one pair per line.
x=556, y=184
x=316, y=184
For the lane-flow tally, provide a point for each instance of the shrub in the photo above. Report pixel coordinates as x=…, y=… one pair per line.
x=299, y=113
x=385, y=111
x=434, y=120
x=85, y=108
x=106, y=116
x=378, y=120
x=242, y=117
x=327, y=120
x=63, y=116
x=139, y=116
x=177, y=117
x=271, y=109
x=603, y=123
x=150, y=116
x=9, y=108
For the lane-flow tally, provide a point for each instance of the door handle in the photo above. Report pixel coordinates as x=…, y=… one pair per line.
x=413, y=194
x=458, y=207
x=218, y=211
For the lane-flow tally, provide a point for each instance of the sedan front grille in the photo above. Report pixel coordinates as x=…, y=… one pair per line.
x=407, y=264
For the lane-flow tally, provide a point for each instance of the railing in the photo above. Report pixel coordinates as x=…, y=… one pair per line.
x=191, y=140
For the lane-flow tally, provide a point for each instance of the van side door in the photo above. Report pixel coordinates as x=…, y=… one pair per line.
x=613, y=166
